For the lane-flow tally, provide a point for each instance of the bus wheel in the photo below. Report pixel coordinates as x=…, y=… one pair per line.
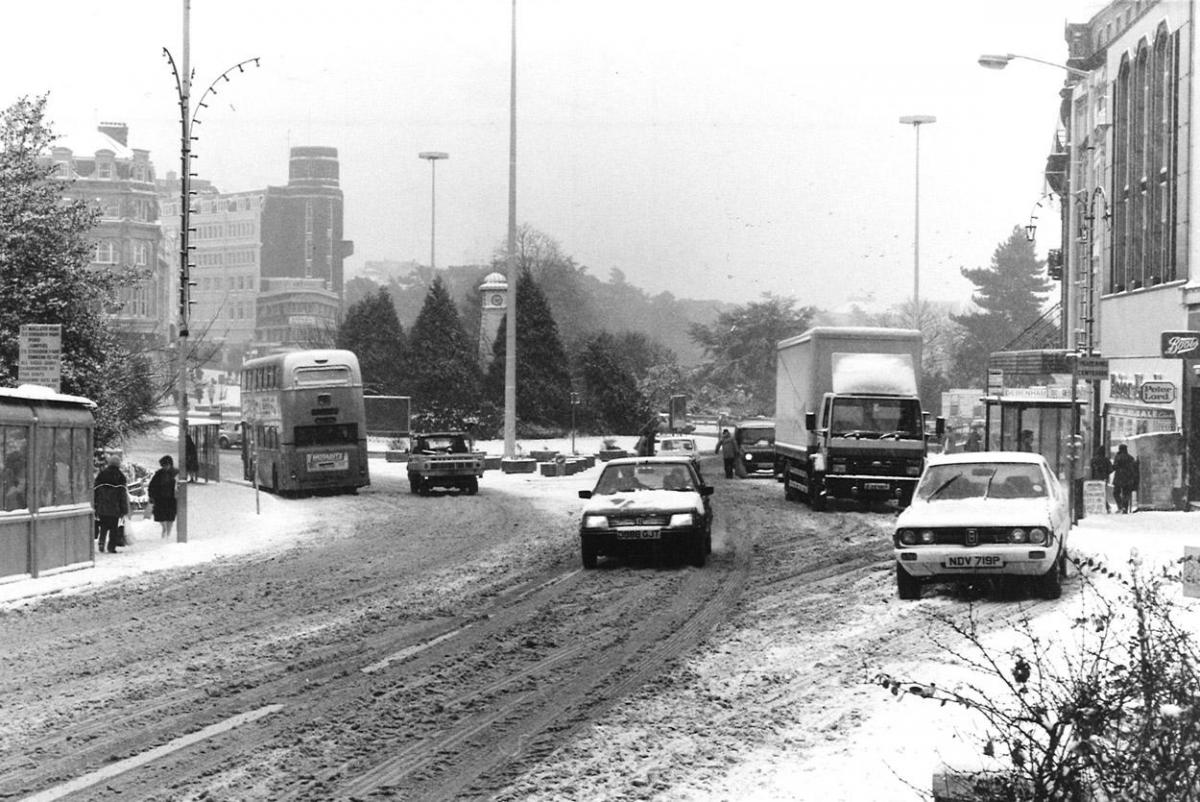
x=472, y=486
x=414, y=483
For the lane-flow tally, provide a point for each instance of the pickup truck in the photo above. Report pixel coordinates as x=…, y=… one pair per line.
x=443, y=459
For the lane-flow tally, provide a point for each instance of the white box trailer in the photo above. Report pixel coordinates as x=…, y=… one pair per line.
x=848, y=419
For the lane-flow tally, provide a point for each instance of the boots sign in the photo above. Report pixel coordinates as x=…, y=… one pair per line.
x=1181, y=344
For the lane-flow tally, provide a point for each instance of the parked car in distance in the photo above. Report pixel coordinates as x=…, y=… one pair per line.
x=989, y=513
x=656, y=504
x=674, y=446
x=230, y=435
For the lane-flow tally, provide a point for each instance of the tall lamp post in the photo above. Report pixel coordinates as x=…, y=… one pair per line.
x=916, y=121
x=510, y=340
x=432, y=156
x=188, y=119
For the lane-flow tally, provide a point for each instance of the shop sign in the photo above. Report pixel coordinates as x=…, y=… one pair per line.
x=1181, y=344
x=1157, y=392
x=1123, y=386
x=1091, y=367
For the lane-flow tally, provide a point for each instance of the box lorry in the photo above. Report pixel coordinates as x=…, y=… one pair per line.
x=848, y=420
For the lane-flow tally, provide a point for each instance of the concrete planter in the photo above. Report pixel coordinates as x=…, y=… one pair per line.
x=543, y=456
x=492, y=463
x=605, y=454
x=518, y=465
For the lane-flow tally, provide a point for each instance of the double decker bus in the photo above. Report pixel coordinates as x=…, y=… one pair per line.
x=304, y=422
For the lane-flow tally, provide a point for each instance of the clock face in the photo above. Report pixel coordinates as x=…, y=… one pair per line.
x=497, y=300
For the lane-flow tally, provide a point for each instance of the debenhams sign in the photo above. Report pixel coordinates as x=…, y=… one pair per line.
x=1181, y=344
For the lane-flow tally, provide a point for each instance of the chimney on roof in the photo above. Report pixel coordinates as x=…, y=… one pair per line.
x=118, y=131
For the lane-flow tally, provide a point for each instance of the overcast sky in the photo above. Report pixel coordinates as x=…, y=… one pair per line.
x=713, y=150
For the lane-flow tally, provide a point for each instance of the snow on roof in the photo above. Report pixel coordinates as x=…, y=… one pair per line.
x=86, y=143
x=36, y=392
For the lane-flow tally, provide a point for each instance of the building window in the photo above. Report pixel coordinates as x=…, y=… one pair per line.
x=140, y=251
x=106, y=252
x=104, y=170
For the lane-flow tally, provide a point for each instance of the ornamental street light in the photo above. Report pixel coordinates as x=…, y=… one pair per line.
x=188, y=119
x=432, y=156
x=916, y=121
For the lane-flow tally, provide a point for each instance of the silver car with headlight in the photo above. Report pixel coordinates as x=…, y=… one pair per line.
x=983, y=514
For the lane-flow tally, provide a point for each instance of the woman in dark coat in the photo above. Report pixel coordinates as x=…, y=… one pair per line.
x=162, y=494
x=110, y=501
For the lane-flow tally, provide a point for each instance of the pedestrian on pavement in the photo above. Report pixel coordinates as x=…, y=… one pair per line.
x=1101, y=465
x=727, y=447
x=162, y=494
x=974, y=440
x=192, y=465
x=110, y=502
x=1125, y=477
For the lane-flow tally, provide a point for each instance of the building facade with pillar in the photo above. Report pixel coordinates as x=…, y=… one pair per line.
x=1127, y=231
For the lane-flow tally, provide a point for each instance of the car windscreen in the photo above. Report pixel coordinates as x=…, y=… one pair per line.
x=631, y=478
x=756, y=435
x=995, y=480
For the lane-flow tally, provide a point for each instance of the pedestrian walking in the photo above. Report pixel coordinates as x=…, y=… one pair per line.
x=1101, y=466
x=1125, y=477
x=974, y=440
x=192, y=461
x=162, y=494
x=110, y=502
x=727, y=447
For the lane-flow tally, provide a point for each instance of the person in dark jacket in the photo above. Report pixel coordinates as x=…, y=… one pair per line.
x=727, y=447
x=110, y=501
x=1125, y=477
x=162, y=494
x=1101, y=466
x=192, y=459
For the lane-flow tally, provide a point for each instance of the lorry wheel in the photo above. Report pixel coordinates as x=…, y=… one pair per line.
x=908, y=587
x=817, y=501
x=472, y=486
x=589, y=556
x=223, y=441
x=906, y=497
x=1050, y=583
x=414, y=483
x=789, y=492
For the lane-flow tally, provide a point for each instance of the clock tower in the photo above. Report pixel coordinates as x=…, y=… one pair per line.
x=493, y=299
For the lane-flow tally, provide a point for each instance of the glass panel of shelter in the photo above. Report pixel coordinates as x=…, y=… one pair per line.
x=1028, y=426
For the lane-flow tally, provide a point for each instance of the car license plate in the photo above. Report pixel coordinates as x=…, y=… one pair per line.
x=974, y=561
x=878, y=486
x=639, y=533
x=329, y=461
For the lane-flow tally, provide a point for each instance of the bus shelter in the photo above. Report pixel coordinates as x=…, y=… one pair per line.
x=46, y=472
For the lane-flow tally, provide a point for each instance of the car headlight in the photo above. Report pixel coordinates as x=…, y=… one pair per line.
x=1018, y=536
x=927, y=536
x=595, y=522
x=682, y=519
x=908, y=537
x=913, y=470
x=1037, y=536
x=747, y=457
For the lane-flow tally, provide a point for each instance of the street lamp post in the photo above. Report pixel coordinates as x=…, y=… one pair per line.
x=510, y=339
x=188, y=119
x=432, y=156
x=996, y=61
x=916, y=121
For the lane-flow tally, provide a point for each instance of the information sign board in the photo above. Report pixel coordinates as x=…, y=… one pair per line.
x=1095, y=497
x=39, y=355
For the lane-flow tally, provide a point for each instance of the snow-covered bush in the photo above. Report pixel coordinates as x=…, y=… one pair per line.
x=1109, y=711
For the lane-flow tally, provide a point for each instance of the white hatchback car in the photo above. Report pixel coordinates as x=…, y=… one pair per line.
x=984, y=514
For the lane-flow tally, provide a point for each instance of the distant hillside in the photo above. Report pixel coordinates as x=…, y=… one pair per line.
x=582, y=304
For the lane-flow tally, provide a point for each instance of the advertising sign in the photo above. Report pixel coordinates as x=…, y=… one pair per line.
x=1095, y=497
x=39, y=355
x=1156, y=392
x=1181, y=344
x=1091, y=367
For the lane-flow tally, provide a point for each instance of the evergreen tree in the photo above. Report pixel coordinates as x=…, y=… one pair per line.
x=443, y=368
x=1010, y=295
x=543, y=377
x=373, y=332
x=45, y=250
x=612, y=402
x=741, y=346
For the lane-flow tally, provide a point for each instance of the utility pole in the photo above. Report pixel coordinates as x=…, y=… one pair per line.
x=510, y=341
